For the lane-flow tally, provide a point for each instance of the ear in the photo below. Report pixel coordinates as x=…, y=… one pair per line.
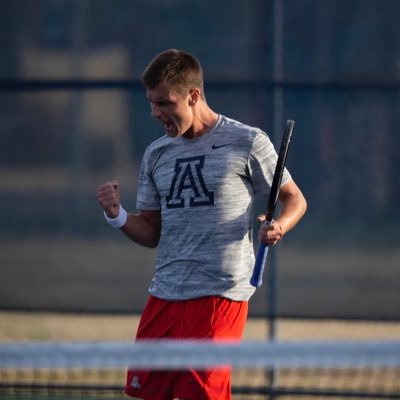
x=194, y=96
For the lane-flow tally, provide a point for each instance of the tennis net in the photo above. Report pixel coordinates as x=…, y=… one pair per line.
x=58, y=370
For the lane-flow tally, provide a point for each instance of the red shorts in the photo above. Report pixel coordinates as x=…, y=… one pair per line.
x=214, y=318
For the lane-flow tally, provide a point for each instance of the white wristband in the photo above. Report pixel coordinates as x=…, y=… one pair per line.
x=119, y=221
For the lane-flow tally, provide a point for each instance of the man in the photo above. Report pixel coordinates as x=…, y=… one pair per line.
x=195, y=197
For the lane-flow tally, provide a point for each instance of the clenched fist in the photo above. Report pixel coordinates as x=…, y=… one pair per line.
x=108, y=197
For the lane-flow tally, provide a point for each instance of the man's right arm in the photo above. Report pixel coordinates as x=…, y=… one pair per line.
x=143, y=228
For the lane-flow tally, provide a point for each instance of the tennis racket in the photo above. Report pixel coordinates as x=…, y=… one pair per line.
x=256, y=278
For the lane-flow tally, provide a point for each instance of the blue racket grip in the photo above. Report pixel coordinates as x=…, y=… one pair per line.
x=256, y=278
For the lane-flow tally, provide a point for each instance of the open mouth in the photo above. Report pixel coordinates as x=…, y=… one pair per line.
x=169, y=126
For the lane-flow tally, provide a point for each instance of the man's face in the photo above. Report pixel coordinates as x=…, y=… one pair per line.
x=172, y=109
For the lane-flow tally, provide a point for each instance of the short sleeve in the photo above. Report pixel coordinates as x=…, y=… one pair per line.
x=262, y=162
x=148, y=197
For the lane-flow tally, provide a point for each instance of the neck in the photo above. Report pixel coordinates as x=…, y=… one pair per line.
x=204, y=120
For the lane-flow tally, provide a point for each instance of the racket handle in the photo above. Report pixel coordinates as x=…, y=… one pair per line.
x=258, y=271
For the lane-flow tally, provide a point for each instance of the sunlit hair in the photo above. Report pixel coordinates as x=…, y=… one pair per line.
x=176, y=69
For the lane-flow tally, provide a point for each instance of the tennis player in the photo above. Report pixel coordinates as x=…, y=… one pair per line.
x=195, y=198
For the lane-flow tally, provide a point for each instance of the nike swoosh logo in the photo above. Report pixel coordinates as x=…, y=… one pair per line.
x=214, y=146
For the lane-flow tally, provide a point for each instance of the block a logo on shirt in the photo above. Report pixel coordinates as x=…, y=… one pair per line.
x=188, y=187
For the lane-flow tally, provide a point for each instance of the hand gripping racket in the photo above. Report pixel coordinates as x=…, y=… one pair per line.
x=256, y=278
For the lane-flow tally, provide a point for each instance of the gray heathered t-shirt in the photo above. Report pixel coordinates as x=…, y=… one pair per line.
x=205, y=189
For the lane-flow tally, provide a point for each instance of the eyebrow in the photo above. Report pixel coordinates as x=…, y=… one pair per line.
x=161, y=101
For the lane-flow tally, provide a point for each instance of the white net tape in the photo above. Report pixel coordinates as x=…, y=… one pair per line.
x=199, y=354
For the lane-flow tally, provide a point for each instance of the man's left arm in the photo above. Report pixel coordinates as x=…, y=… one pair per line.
x=293, y=208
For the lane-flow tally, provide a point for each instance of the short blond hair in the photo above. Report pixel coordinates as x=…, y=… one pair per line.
x=176, y=69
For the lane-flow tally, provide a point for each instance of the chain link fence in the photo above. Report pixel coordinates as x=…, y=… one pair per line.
x=74, y=114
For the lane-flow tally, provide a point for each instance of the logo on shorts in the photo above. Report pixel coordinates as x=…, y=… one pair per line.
x=135, y=383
